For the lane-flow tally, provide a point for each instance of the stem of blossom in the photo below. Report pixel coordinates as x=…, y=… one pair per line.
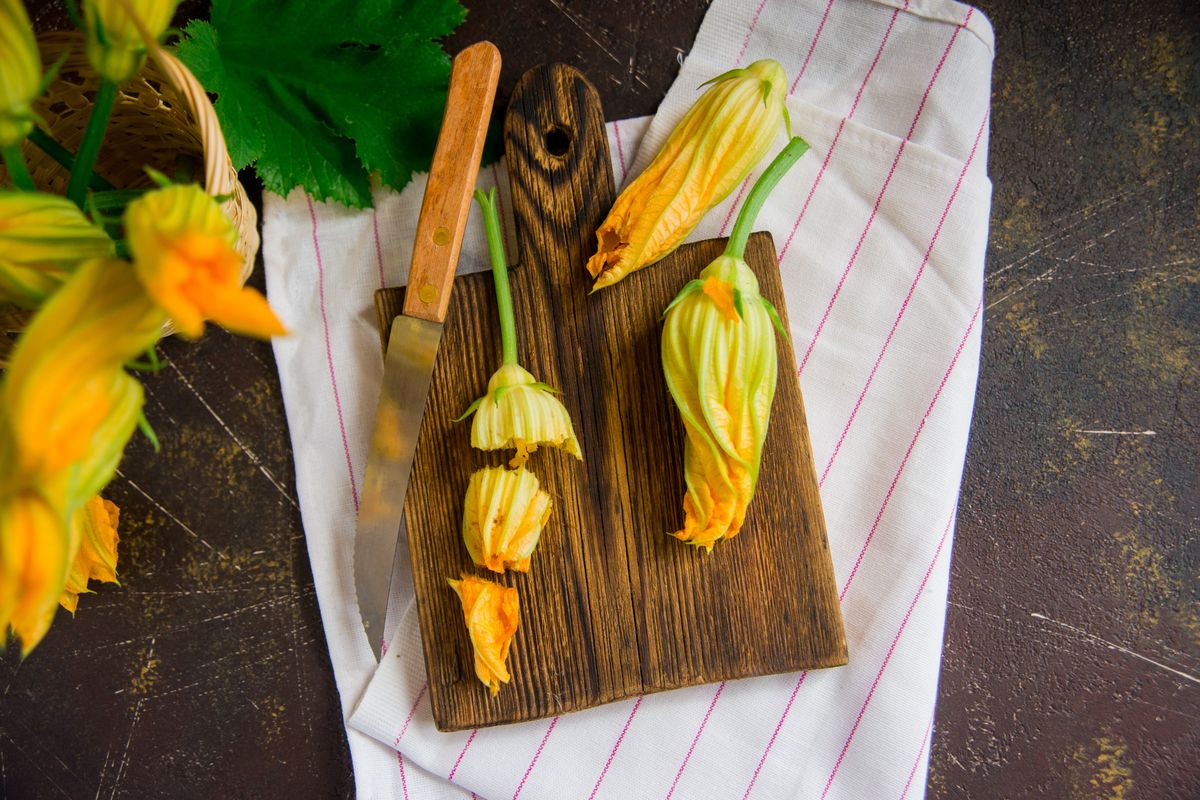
x=65, y=157
x=504, y=304
x=14, y=162
x=758, y=195
x=89, y=148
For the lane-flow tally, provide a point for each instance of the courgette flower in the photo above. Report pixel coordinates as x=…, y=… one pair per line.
x=65, y=398
x=710, y=151
x=518, y=412
x=21, y=78
x=43, y=238
x=115, y=46
x=34, y=549
x=719, y=358
x=492, y=613
x=503, y=517
x=183, y=249
x=67, y=409
x=94, y=527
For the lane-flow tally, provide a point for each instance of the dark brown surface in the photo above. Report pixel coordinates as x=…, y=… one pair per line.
x=604, y=567
x=206, y=675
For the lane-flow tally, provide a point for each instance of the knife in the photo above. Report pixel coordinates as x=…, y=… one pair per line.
x=416, y=332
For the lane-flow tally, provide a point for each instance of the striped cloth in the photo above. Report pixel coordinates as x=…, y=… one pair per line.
x=881, y=232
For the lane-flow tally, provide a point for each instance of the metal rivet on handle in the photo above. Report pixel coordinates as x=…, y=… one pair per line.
x=441, y=236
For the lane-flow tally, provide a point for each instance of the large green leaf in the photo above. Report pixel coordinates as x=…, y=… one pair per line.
x=319, y=94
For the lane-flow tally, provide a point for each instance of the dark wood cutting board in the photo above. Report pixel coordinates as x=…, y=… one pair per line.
x=613, y=606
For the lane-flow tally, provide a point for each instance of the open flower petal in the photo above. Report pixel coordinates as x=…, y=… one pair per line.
x=492, y=613
x=95, y=528
x=184, y=250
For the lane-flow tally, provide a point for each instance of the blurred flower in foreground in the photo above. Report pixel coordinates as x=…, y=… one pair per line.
x=33, y=561
x=114, y=44
x=94, y=527
x=719, y=358
x=43, y=237
x=65, y=383
x=518, y=412
x=183, y=249
x=22, y=74
x=715, y=145
x=67, y=409
x=492, y=613
x=503, y=517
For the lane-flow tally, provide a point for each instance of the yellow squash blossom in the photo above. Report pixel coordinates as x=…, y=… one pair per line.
x=43, y=237
x=115, y=46
x=719, y=358
x=183, y=249
x=95, y=529
x=65, y=383
x=710, y=151
x=503, y=517
x=492, y=613
x=34, y=550
x=21, y=76
x=519, y=413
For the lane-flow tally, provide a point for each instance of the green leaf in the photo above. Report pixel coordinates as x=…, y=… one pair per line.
x=692, y=286
x=471, y=409
x=320, y=95
x=775, y=320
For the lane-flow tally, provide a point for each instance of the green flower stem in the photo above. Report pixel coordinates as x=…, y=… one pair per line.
x=758, y=195
x=14, y=162
x=65, y=158
x=495, y=240
x=89, y=148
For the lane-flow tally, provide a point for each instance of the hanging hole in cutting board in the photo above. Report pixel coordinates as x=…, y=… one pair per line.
x=557, y=141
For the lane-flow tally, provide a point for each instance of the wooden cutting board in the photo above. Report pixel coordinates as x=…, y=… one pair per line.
x=613, y=606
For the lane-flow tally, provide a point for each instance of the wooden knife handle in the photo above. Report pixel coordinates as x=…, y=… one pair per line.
x=452, y=177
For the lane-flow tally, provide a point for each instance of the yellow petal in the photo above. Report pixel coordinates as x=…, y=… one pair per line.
x=96, y=558
x=721, y=372
x=503, y=516
x=710, y=151
x=492, y=613
x=518, y=414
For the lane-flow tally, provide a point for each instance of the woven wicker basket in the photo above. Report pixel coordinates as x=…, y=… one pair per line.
x=162, y=119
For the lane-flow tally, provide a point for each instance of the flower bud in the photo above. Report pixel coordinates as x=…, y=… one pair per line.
x=503, y=517
x=710, y=151
x=492, y=613
x=43, y=238
x=718, y=352
x=522, y=414
x=115, y=46
x=22, y=74
x=183, y=249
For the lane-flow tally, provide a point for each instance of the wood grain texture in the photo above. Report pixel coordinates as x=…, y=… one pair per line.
x=451, y=180
x=613, y=607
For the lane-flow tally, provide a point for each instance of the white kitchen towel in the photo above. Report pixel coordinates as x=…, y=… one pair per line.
x=881, y=231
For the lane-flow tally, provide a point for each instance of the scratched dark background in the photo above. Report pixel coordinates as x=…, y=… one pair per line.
x=1073, y=638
